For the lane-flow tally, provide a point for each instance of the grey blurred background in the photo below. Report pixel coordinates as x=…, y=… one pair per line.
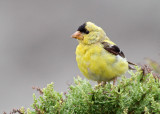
x=36, y=48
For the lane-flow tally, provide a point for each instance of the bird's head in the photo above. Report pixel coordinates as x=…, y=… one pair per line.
x=89, y=33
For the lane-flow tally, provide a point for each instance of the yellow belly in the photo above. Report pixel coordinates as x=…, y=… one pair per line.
x=99, y=65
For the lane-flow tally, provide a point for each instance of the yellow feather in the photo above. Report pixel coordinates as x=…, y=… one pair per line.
x=99, y=65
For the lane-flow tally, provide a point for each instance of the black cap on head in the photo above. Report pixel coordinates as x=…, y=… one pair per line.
x=83, y=29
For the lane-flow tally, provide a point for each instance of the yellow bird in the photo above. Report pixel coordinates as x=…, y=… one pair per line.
x=99, y=58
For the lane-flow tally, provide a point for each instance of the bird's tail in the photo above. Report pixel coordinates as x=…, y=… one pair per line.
x=130, y=67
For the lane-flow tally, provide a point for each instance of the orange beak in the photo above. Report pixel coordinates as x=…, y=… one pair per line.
x=77, y=35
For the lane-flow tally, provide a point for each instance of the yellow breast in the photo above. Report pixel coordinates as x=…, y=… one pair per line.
x=99, y=65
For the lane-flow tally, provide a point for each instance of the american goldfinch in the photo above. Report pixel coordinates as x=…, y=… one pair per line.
x=98, y=58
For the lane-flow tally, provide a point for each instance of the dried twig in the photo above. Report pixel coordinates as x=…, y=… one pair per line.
x=14, y=111
x=38, y=89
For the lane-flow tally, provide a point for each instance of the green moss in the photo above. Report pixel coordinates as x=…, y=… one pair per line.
x=135, y=95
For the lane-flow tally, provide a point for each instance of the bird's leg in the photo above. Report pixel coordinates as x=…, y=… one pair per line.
x=114, y=81
x=99, y=83
x=104, y=83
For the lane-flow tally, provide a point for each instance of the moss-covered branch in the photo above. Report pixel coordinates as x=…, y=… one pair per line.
x=138, y=94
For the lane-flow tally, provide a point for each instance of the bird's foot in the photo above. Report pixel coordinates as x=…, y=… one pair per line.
x=114, y=81
x=103, y=83
x=99, y=83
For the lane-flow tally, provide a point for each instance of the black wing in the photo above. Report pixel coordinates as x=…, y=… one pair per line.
x=113, y=49
x=116, y=51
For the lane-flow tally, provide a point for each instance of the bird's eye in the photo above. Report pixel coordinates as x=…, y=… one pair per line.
x=83, y=29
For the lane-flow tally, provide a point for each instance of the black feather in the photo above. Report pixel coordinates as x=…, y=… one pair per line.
x=113, y=49
x=116, y=51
